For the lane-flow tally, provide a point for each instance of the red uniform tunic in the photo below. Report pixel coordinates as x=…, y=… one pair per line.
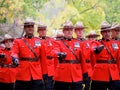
x=89, y=55
x=28, y=69
x=118, y=43
x=105, y=68
x=70, y=71
x=7, y=74
x=1, y=47
x=48, y=44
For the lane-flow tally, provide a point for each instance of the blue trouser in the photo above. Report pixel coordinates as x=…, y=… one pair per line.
x=6, y=86
x=48, y=82
x=87, y=84
x=29, y=85
x=68, y=86
x=102, y=85
x=117, y=85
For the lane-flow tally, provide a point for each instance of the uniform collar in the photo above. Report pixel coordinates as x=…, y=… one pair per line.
x=29, y=36
x=8, y=49
x=115, y=38
x=68, y=39
x=107, y=40
x=42, y=37
x=81, y=39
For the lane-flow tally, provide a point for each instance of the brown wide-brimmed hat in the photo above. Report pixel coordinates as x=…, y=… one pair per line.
x=79, y=25
x=92, y=33
x=41, y=26
x=67, y=25
x=116, y=26
x=29, y=22
x=105, y=26
x=7, y=37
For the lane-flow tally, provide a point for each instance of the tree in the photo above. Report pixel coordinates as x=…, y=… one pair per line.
x=55, y=12
x=112, y=10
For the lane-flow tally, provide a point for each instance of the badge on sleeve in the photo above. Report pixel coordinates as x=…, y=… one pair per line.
x=77, y=44
x=115, y=46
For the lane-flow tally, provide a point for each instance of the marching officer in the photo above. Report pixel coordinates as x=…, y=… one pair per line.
x=29, y=54
x=48, y=45
x=71, y=68
x=89, y=56
x=92, y=35
x=105, y=74
x=79, y=30
x=115, y=31
x=115, y=37
x=7, y=69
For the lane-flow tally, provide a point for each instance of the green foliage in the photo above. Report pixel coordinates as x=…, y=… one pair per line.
x=112, y=10
x=55, y=12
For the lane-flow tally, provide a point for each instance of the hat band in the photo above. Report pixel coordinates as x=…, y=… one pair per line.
x=29, y=23
x=68, y=27
x=105, y=27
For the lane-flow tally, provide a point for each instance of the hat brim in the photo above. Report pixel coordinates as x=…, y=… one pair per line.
x=3, y=41
x=107, y=29
x=42, y=27
x=90, y=35
x=28, y=24
x=115, y=28
x=80, y=27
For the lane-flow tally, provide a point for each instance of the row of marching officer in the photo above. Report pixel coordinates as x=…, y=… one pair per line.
x=22, y=61
x=72, y=62
x=78, y=61
x=68, y=61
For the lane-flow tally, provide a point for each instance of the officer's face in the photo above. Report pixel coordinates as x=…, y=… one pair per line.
x=79, y=33
x=29, y=29
x=8, y=43
x=68, y=32
x=42, y=32
x=106, y=34
x=115, y=34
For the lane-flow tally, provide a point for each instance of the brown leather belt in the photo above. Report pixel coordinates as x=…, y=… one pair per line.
x=49, y=57
x=87, y=61
x=7, y=65
x=28, y=59
x=106, y=61
x=70, y=61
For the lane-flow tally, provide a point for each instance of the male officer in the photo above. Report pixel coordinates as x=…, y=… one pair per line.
x=48, y=45
x=71, y=66
x=88, y=47
x=115, y=31
x=29, y=52
x=7, y=69
x=115, y=37
x=79, y=30
x=92, y=35
x=105, y=74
